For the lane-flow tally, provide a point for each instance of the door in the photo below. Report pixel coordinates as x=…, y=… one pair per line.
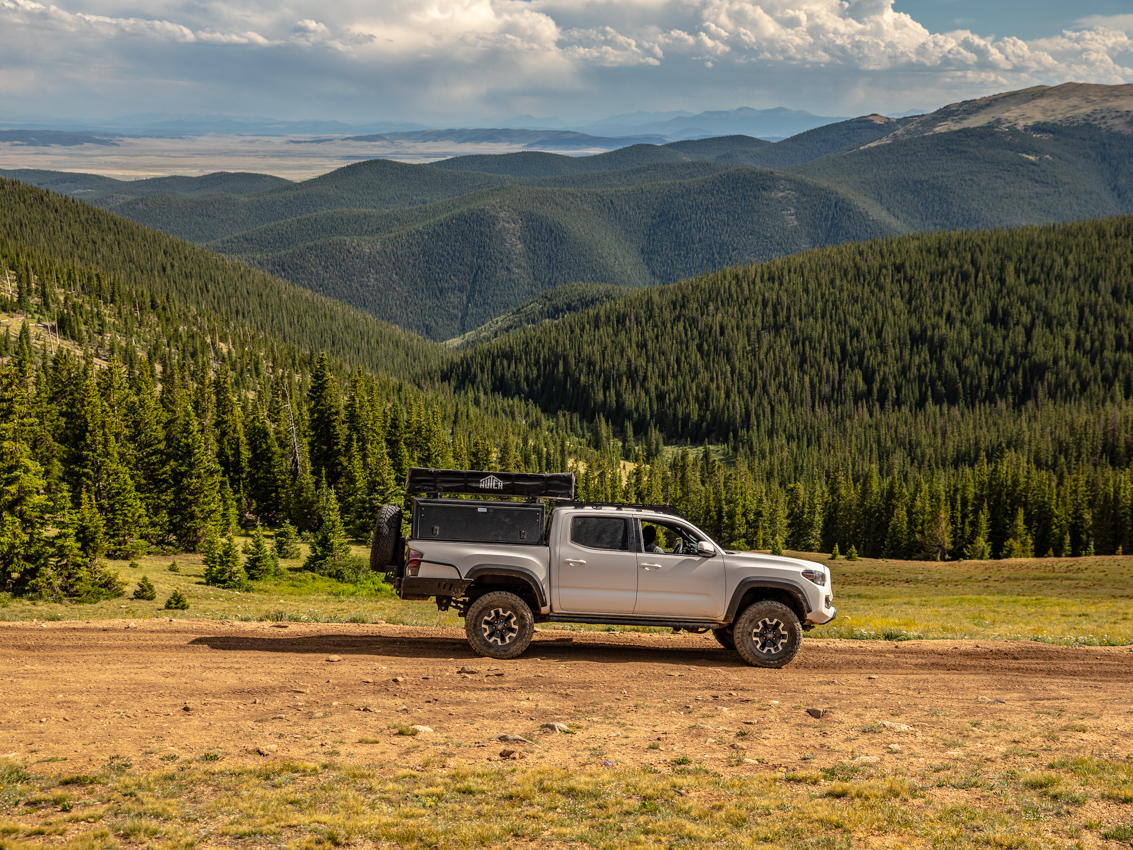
x=674, y=581
x=596, y=566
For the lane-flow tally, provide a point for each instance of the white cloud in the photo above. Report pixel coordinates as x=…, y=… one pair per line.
x=1114, y=22
x=34, y=15
x=604, y=46
x=505, y=54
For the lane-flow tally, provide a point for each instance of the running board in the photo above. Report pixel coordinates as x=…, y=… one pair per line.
x=633, y=621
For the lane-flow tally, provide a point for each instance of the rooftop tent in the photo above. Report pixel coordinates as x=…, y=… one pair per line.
x=466, y=482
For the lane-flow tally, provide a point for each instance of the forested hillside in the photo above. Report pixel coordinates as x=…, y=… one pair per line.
x=442, y=249
x=549, y=307
x=377, y=184
x=151, y=397
x=945, y=396
x=171, y=275
x=988, y=177
x=917, y=360
x=107, y=191
x=471, y=259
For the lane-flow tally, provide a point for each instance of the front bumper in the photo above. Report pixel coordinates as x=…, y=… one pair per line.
x=823, y=615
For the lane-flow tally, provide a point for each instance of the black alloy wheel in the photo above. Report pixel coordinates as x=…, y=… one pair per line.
x=768, y=634
x=499, y=625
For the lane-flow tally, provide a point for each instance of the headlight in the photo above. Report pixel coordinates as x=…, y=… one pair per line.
x=816, y=576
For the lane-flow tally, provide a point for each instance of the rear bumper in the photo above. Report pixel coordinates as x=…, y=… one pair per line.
x=418, y=587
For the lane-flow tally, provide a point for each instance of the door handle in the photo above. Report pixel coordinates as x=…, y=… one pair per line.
x=650, y=566
x=576, y=562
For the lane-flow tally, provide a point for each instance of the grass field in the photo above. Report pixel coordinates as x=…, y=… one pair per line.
x=1026, y=776
x=1069, y=601
x=329, y=805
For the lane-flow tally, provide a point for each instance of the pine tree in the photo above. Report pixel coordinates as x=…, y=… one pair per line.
x=287, y=542
x=145, y=421
x=327, y=440
x=979, y=549
x=231, y=445
x=1019, y=544
x=267, y=476
x=330, y=543
x=145, y=590
x=798, y=521
x=177, y=602
x=193, y=483
x=222, y=564
x=229, y=516
x=25, y=554
x=126, y=521
x=90, y=532
x=935, y=540
x=260, y=562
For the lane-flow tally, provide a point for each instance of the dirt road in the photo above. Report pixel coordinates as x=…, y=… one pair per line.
x=152, y=690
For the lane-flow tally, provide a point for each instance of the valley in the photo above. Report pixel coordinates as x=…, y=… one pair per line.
x=443, y=248
x=803, y=331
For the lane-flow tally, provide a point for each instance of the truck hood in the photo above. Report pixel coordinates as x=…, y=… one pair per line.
x=757, y=559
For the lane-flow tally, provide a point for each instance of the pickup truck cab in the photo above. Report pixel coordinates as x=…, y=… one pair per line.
x=505, y=566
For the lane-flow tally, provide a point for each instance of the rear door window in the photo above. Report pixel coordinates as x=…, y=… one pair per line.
x=599, y=532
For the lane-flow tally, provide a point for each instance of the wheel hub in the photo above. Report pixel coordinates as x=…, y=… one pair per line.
x=769, y=635
x=499, y=626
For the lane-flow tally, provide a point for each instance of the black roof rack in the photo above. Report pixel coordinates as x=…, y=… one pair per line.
x=469, y=482
x=661, y=509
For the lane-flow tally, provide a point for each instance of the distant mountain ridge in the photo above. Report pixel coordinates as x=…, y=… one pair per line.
x=444, y=248
x=776, y=123
x=52, y=138
x=1070, y=104
x=531, y=139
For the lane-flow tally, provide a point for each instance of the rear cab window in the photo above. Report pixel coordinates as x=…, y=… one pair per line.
x=600, y=532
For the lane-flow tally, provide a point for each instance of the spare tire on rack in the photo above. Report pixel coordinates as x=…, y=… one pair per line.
x=387, y=534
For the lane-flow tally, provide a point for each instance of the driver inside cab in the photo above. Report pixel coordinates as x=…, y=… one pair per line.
x=656, y=537
x=649, y=539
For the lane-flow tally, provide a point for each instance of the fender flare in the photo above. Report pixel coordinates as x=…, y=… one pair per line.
x=778, y=584
x=526, y=576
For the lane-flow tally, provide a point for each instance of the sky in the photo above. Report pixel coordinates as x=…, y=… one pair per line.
x=477, y=62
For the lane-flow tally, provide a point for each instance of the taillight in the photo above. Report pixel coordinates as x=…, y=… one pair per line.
x=413, y=565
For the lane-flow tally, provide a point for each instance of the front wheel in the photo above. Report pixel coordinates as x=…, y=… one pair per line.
x=499, y=625
x=768, y=634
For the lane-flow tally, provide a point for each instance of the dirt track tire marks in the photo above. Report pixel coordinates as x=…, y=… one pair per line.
x=84, y=691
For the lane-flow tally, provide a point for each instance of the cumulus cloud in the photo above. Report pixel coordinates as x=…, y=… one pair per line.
x=503, y=54
x=36, y=16
x=1116, y=22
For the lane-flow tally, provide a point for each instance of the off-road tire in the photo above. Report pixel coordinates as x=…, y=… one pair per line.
x=383, y=544
x=768, y=634
x=725, y=638
x=499, y=625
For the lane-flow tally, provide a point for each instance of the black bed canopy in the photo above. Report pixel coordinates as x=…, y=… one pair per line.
x=468, y=482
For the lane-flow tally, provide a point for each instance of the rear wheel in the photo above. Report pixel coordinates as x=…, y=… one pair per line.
x=768, y=634
x=499, y=625
x=383, y=545
x=725, y=638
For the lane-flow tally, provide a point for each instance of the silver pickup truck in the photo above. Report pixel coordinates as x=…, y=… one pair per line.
x=506, y=566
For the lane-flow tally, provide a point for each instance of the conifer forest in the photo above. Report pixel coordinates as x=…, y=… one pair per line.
x=943, y=396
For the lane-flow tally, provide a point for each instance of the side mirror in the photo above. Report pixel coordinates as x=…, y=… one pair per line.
x=705, y=549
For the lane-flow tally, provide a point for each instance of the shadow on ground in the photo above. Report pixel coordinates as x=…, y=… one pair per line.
x=552, y=649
